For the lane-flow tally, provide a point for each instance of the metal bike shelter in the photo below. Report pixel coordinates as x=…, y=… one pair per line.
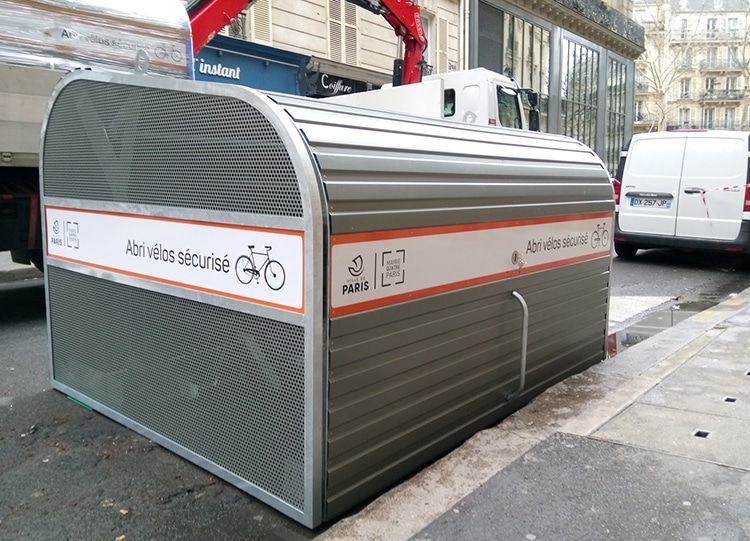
x=435, y=278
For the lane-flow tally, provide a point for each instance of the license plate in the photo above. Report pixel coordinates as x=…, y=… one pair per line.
x=650, y=202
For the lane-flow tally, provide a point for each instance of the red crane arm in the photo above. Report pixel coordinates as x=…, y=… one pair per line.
x=403, y=16
x=207, y=17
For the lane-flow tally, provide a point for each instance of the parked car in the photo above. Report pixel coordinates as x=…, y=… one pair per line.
x=683, y=189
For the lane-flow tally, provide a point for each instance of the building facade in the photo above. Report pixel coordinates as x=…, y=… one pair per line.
x=695, y=71
x=579, y=55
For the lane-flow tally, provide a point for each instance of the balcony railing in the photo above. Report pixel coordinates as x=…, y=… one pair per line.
x=645, y=118
x=723, y=95
x=641, y=88
x=708, y=35
x=720, y=65
x=683, y=126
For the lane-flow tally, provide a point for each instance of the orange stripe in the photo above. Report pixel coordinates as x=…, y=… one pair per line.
x=350, y=238
x=292, y=232
x=186, y=286
x=396, y=299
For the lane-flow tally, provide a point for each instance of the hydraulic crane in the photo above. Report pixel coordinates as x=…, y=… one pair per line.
x=207, y=17
x=404, y=18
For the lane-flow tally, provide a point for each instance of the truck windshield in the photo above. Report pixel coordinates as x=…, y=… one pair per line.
x=508, y=111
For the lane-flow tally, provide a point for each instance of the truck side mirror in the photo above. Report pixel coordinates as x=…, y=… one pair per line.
x=532, y=96
x=534, y=120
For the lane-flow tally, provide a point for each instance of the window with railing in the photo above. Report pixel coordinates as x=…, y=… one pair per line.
x=711, y=28
x=684, y=88
x=712, y=55
x=729, y=118
x=733, y=58
x=732, y=29
x=708, y=118
x=684, y=115
x=687, y=58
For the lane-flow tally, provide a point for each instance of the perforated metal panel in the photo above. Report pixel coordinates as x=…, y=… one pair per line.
x=228, y=386
x=137, y=145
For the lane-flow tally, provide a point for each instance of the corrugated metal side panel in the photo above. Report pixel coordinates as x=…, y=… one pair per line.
x=388, y=171
x=409, y=382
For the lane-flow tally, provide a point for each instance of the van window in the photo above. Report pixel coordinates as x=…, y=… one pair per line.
x=449, y=102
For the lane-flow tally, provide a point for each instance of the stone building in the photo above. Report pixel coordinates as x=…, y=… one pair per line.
x=696, y=68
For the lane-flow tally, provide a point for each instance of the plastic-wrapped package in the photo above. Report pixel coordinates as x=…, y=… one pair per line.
x=71, y=34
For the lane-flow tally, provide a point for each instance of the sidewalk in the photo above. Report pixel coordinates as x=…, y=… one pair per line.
x=652, y=444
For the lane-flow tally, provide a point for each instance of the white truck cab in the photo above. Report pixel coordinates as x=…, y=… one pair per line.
x=684, y=189
x=475, y=96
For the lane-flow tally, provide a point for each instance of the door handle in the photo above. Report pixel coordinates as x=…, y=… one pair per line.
x=693, y=190
x=524, y=346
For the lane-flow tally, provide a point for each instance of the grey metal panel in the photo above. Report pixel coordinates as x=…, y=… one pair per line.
x=410, y=381
x=382, y=174
x=168, y=360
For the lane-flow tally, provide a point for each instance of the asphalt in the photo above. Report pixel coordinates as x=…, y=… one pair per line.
x=653, y=444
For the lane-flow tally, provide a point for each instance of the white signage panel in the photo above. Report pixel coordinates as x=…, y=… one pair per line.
x=263, y=266
x=369, y=270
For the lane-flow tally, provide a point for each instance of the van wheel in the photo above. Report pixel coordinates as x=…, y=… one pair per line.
x=625, y=251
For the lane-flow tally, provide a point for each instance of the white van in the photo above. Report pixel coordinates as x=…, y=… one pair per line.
x=683, y=189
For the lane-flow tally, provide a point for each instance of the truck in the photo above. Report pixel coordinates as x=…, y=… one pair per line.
x=475, y=96
x=40, y=41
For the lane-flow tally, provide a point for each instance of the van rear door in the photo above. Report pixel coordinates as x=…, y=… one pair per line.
x=650, y=184
x=712, y=193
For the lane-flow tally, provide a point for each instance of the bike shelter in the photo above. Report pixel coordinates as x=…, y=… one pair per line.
x=311, y=300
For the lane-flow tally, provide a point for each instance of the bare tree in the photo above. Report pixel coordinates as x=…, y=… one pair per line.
x=667, y=60
x=743, y=59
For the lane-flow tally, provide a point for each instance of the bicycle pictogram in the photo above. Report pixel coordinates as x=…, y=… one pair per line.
x=247, y=270
x=600, y=236
x=162, y=53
